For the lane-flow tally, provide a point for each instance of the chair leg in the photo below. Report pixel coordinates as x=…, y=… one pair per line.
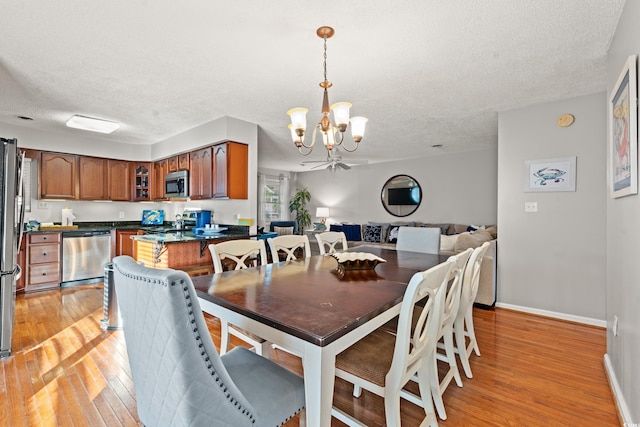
x=461, y=346
x=357, y=390
x=392, y=408
x=451, y=358
x=472, y=334
x=427, y=403
x=224, y=337
x=434, y=384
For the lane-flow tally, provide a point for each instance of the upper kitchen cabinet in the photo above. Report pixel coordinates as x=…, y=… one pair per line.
x=58, y=178
x=93, y=178
x=142, y=181
x=119, y=180
x=160, y=169
x=179, y=162
x=201, y=174
x=231, y=170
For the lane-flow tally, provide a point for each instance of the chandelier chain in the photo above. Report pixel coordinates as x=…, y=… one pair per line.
x=325, y=58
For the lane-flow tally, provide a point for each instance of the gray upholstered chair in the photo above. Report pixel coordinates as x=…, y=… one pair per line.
x=419, y=239
x=178, y=376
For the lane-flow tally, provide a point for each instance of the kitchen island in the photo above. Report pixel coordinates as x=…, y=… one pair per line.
x=185, y=250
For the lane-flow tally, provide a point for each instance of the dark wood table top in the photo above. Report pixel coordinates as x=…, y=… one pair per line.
x=309, y=299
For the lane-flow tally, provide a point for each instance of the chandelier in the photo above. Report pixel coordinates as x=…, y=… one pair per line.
x=332, y=134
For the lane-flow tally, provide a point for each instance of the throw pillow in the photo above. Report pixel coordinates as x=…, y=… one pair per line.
x=393, y=234
x=384, y=232
x=448, y=243
x=372, y=233
x=283, y=231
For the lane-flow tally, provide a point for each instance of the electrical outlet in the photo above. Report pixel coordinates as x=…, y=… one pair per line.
x=531, y=206
x=121, y=215
x=42, y=205
x=614, y=329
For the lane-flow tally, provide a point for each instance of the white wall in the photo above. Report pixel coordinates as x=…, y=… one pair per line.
x=623, y=247
x=456, y=188
x=553, y=260
x=219, y=130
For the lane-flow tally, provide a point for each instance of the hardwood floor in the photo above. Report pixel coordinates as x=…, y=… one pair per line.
x=533, y=371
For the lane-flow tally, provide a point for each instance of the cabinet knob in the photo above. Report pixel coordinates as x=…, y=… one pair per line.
x=44, y=238
x=44, y=274
x=44, y=254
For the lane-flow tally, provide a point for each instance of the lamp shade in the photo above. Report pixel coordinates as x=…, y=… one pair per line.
x=341, y=113
x=322, y=212
x=298, y=118
x=357, y=127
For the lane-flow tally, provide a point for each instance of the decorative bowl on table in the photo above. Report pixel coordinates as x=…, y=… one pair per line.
x=349, y=261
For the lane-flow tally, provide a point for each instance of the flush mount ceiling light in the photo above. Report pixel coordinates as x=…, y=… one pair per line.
x=92, y=124
x=332, y=134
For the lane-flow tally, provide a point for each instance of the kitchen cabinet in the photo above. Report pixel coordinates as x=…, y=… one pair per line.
x=178, y=162
x=160, y=169
x=201, y=174
x=58, y=177
x=119, y=180
x=231, y=170
x=22, y=262
x=124, y=244
x=43, y=261
x=142, y=181
x=93, y=178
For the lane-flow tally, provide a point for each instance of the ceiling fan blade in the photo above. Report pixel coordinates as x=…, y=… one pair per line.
x=313, y=161
x=343, y=166
x=319, y=166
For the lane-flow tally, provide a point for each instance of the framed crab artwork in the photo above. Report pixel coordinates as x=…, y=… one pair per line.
x=623, y=132
x=550, y=174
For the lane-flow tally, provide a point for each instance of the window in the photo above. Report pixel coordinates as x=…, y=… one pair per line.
x=273, y=203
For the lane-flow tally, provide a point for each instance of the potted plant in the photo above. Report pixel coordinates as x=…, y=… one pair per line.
x=298, y=204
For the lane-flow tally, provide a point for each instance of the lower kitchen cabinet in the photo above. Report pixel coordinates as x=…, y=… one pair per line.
x=124, y=244
x=43, y=261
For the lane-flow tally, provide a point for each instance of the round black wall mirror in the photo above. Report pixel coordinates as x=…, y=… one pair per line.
x=401, y=195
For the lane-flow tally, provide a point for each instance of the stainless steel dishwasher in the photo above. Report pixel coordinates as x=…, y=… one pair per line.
x=84, y=255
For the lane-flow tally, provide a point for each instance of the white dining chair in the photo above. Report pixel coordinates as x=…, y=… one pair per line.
x=241, y=254
x=463, y=323
x=445, y=335
x=383, y=363
x=288, y=244
x=419, y=239
x=329, y=241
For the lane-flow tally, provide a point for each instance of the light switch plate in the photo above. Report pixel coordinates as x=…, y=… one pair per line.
x=531, y=206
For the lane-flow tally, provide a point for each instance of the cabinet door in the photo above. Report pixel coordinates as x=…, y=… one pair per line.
x=231, y=170
x=119, y=180
x=58, y=177
x=183, y=162
x=124, y=243
x=173, y=164
x=160, y=169
x=200, y=179
x=142, y=181
x=42, y=269
x=93, y=178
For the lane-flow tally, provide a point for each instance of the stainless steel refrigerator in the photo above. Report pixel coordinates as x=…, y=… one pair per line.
x=11, y=215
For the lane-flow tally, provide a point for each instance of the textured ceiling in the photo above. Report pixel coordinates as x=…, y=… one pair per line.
x=424, y=72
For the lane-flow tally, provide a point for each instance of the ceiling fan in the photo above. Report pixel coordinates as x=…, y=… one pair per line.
x=333, y=162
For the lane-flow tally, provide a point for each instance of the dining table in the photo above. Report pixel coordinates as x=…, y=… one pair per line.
x=314, y=309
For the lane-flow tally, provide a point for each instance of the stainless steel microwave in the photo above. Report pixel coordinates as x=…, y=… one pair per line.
x=176, y=184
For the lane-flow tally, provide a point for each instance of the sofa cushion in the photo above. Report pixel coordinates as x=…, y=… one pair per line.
x=353, y=232
x=448, y=243
x=468, y=240
x=372, y=233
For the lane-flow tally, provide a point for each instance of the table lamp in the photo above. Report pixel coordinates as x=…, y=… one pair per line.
x=322, y=213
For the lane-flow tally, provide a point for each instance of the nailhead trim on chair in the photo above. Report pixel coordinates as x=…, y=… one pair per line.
x=196, y=334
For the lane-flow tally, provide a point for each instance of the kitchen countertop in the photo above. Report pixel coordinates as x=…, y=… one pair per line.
x=188, y=236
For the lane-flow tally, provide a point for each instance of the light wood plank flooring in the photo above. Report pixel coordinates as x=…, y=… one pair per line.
x=66, y=371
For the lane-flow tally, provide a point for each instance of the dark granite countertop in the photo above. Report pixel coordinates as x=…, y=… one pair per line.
x=188, y=236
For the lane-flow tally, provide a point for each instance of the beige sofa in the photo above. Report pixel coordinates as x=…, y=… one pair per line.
x=454, y=239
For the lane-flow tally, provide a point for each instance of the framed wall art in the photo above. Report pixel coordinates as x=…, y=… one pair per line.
x=623, y=132
x=550, y=174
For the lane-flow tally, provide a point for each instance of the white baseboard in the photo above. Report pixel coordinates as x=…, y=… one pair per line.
x=555, y=315
x=617, y=392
